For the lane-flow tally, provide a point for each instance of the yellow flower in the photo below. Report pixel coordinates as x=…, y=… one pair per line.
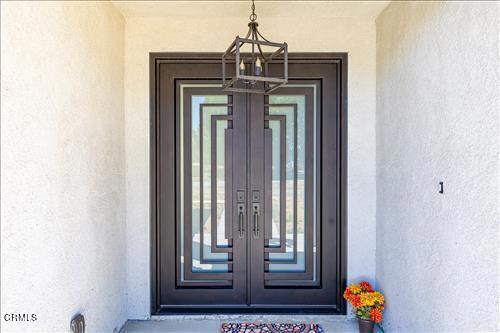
x=368, y=299
x=355, y=288
x=379, y=298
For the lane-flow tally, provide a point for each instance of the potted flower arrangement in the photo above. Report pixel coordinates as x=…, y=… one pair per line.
x=368, y=305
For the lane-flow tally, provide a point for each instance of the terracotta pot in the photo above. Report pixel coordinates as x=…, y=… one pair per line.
x=365, y=325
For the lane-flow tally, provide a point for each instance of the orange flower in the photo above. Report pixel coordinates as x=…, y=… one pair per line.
x=356, y=301
x=347, y=294
x=366, y=286
x=376, y=315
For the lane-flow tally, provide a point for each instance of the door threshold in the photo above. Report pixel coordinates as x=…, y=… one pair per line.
x=253, y=317
x=257, y=310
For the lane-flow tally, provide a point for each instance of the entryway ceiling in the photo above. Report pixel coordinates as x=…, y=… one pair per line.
x=240, y=8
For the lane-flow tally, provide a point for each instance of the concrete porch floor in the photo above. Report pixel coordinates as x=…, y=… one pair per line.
x=212, y=323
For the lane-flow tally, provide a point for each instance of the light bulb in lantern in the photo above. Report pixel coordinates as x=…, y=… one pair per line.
x=258, y=66
x=242, y=68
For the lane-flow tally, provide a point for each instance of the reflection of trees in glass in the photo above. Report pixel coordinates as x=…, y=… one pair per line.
x=301, y=125
x=299, y=100
x=195, y=122
x=206, y=147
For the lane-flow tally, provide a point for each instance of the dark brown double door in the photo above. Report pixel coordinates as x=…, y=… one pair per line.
x=247, y=189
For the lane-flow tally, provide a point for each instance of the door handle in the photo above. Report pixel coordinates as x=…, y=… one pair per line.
x=241, y=216
x=256, y=214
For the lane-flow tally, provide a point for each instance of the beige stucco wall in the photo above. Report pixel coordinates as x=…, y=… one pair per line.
x=75, y=126
x=62, y=172
x=212, y=33
x=438, y=120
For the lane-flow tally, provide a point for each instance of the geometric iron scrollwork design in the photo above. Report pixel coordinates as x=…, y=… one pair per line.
x=282, y=267
x=213, y=261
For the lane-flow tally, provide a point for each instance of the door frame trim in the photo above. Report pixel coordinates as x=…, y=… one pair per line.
x=155, y=59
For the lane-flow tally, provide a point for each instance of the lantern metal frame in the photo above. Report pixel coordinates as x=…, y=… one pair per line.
x=254, y=82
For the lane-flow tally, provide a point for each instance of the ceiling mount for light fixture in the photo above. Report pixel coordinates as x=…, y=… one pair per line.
x=252, y=72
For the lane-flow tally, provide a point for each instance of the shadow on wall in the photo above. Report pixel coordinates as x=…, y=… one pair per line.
x=407, y=29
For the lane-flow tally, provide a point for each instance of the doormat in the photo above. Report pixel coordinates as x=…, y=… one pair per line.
x=270, y=328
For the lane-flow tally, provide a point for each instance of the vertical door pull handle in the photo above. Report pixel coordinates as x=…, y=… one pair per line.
x=256, y=213
x=241, y=213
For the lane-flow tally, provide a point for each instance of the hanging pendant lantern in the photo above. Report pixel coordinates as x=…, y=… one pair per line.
x=252, y=73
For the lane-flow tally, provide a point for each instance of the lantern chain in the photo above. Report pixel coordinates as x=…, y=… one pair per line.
x=253, y=16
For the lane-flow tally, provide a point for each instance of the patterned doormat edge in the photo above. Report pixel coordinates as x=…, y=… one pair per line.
x=271, y=328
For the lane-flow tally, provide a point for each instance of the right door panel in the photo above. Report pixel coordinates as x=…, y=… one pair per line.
x=295, y=260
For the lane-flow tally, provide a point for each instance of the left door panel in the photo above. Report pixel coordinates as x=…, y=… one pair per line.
x=200, y=132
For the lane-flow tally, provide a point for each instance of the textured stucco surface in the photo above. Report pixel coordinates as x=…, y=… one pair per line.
x=212, y=34
x=62, y=172
x=290, y=9
x=438, y=120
